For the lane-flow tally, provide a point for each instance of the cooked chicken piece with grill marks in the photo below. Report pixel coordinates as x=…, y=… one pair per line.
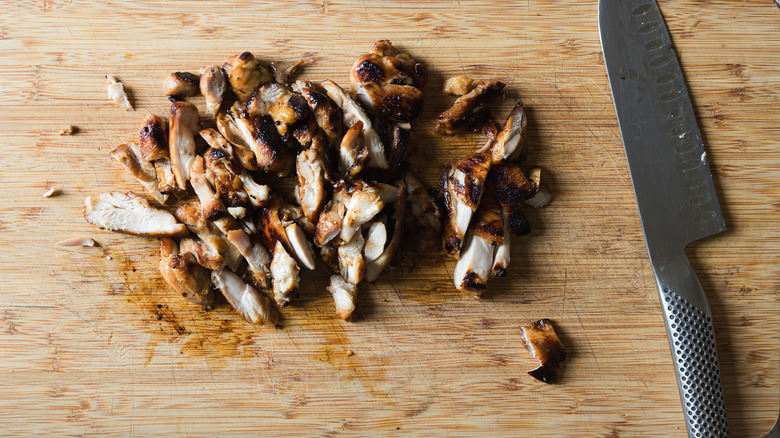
x=241, y=151
x=376, y=238
x=329, y=117
x=501, y=254
x=264, y=98
x=259, y=194
x=213, y=86
x=206, y=255
x=542, y=197
x=352, y=151
x=330, y=255
x=461, y=189
x=211, y=206
x=165, y=176
x=352, y=265
x=132, y=214
x=289, y=108
x=330, y=221
x=221, y=172
x=190, y=214
x=312, y=192
x=364, y=203
x=540, y=339
x=470, y=111
x=152, y=138
x=284, y=69
x=459, y=85
x=245, y=75
x=116, y=92
x=300, y=245
x=185, y=123
x=344, y=296
x=376, y=266
x=422, y=227
x=285, y=275
x=512, y=188
x=509, y=144
x=130, y=158
x=397, y=102
x=256, y=254
x=400, y=146
x=184, y=274
x=262, y=137
x=474, y=266
x=181, y=84
x=487, y=222
x=354, y=113
x=271, y=226
x=253, y=306
x=384, y=65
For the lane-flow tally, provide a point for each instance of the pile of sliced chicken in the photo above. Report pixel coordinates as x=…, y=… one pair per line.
x=482, y=194
x=223, y=223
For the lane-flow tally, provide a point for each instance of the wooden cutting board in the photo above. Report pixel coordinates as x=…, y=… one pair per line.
x=92, y=342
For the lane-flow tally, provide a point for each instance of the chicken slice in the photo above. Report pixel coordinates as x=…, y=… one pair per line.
x=212, y=86
x=165, y=177
x=344, y=296
x=132, y=214
x=328, y=115
x=116, y=92
x=540, y=339
x=352, y=151
x=289, y=108
x=181, y=84
x=364, y=203
x=329, y=222
x=512, y=189
x=509, y=144
x=253, y=306
x=259, y=194
x=152, y=138
x=487, y=222
x=352, y=265
x=260, y=134
x=300, y=245
x=470, y=111
x=501, y=255
x=257, y=256
x=143, y=171
x=461, y=189
x=422, y=223
x=474, y=266
x=190, y=214
x=211, y=206
x=311, y=171
x=376, y=238
x=185, y=123
x=394, y=101
x=264, y=98
x=241, y=151
x=385, y=65
x=221, y=171
x=245, y=75
x=284, y=69
x=459, y=85
x=271, y=227
x=354, y=113
x=206, y=255
x=285, y=275
x=376, y=266
x=400, y=149
x=184, y=274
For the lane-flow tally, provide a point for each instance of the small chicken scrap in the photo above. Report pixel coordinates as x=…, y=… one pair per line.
x=540, y=339
x=116, y=92
x=230, y=228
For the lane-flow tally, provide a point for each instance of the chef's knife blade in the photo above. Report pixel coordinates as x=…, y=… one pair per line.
x=674, y=190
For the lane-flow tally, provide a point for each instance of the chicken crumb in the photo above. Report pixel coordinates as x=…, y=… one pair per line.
x=50, y=192
x=77, y=241
x=349, y=353
x=109, y=258
x=116, y=92
x=69, y=130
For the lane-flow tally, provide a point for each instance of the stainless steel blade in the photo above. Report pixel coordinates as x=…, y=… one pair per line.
x=674, y=190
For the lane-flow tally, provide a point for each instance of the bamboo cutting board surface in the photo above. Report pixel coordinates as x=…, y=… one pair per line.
x=92, y=342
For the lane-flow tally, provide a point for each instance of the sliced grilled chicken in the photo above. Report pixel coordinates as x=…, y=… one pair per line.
x=376, y=266
x=501, y=254
x=509, y=144
x=211, y=206
x=385, y=65
x=330, y=255
x=206, y=255
x=241, y=151
x=221, y=171
x=190, y=214
x=540, y=339
x=259, y=194
x=264, y=98
x=116, y=92
x=354, y=113
x=184, y=274
x=344, y=296
x=253, y=306
x=474, y=266
x=376, y=238
x=152, y=138
x=285, y=275
x=312, y=192
x=213, y=86
x=422, y=227
x=352, y=151
x=130, y=213
x=329, y=222
x=165, y=176
x=461, y=189
x=364, y=203
x=400, y=149
x=300, y=245
x=262, y=137
x=130, y=158
x=470, y=111
x=512, y=189
x=327, y=114
x=271, y=226
x=245, y=75
x=185, y=123
x=257, y=257
x=181, y=84
x=487, y=222
x=284, y=69
x=459, y=85
x=394, y=101
x=289, y=108
x=352, y=265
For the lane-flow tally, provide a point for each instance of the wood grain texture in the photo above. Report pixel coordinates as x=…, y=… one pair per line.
x=97, y=346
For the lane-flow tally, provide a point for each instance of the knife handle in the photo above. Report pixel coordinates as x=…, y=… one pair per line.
x=692, y=341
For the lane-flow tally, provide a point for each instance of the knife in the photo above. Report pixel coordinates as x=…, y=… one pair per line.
x=674, y=191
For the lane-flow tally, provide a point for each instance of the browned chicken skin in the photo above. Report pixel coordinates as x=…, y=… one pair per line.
x=152, y=138
x=181, y=84
x=245, y=75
